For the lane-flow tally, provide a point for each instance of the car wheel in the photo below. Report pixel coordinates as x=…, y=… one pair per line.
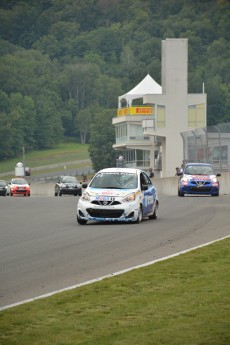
x=80, y=193
x=11, y=194
x=154, y=215
x=81, y=221
x=140, y=215
x=180, y=193
x=55, y=194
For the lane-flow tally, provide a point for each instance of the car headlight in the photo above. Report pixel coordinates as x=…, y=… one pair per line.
x=184, y=181
x=215, y=182
x=85, y=196
x=130, y=197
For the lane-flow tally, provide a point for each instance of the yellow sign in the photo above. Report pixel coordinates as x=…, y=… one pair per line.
x=135, y=111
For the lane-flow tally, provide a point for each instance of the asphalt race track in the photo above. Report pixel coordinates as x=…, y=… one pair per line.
x=43, y=249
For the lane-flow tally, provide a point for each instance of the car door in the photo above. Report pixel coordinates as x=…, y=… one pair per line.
x=148, y=195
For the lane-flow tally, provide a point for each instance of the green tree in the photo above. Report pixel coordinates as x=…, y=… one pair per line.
x=7, y=131
x=49, y=128
x=78, y=85
x=26, y=108
x=84, y=120
x=102, y=138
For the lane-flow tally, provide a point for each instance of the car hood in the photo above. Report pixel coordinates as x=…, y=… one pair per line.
x=200, y=177
x=109, y=192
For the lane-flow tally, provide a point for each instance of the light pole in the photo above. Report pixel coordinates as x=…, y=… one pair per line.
x=23, y=158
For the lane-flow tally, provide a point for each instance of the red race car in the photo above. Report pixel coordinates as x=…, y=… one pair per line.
x=18, y=186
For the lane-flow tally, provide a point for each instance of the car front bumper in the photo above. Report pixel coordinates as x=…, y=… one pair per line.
x=3, y=191
x=20, y=192
x=207, y=189
x=71, y=191
x=117, y=213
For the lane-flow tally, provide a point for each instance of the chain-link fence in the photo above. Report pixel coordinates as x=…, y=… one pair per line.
x=208, y=145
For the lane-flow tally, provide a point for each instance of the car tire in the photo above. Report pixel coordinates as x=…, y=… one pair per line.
x=154, y=215
x=55, y=194
x=81, y=221
x=11, y=194
x=80, y=193
x=180, y=193
x=140, y=215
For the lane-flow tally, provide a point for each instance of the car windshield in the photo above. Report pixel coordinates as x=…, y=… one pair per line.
x=69, y=179
x=119, y=180
x=199, y=170
x=19, y=181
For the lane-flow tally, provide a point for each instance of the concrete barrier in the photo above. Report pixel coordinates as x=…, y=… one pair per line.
x=165, y=186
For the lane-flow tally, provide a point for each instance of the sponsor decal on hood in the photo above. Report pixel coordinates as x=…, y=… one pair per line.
x=201, y=177
x=108, y=192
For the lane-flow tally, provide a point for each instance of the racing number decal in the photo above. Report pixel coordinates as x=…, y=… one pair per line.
x=149, y=199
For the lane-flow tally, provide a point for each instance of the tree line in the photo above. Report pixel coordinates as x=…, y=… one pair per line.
x=63, y=64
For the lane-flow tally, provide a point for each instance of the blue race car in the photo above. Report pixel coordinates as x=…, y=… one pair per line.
x=198, y=178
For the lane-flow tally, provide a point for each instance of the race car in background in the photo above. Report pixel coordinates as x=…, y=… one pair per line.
x=198, y=178
x=18, y=186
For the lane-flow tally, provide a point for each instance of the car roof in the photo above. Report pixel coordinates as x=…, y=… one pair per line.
x=18, y=178
x=120, y=170
x=202, y=164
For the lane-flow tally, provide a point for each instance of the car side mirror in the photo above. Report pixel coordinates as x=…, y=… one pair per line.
x=84, y=185
x=219, y=174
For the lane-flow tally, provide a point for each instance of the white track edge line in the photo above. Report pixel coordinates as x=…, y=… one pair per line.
x=110, y=275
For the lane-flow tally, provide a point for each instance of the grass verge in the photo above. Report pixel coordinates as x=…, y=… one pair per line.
x=182, y=301
x=64, y=152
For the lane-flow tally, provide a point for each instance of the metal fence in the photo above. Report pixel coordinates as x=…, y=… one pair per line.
x=208, y=145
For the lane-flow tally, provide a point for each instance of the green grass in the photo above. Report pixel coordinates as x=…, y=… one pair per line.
x=65, y=152
x=181, y=301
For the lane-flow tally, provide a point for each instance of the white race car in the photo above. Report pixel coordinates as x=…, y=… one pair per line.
x=118, y=194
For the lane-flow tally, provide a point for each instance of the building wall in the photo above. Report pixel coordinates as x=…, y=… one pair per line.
x=175, y=110
x=176, y=101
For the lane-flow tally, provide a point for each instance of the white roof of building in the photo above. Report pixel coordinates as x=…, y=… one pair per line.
x=147, y=86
